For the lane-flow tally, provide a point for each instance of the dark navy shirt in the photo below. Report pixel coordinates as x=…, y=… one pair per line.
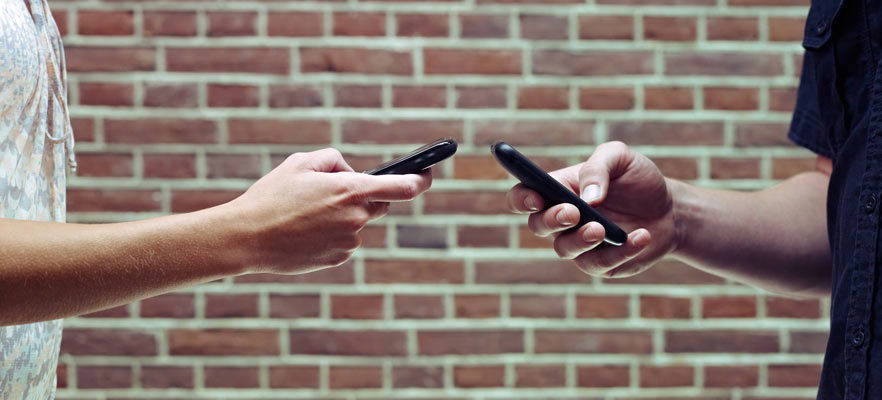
x=839, y=115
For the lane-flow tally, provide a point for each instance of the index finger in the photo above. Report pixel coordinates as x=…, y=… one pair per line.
x=395, y=187
x=521, y=199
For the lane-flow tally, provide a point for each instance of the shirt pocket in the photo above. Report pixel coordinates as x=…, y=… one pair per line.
x=819, y=42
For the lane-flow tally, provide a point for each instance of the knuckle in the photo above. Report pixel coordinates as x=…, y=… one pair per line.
x=409, y=190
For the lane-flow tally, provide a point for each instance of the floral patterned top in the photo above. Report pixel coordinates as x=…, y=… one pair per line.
x=36, y=144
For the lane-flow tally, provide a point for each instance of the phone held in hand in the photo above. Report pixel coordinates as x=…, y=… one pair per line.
x=553, y=191
x=417, y=160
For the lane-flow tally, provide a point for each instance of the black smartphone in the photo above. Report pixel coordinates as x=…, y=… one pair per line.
x=553, y=191
x=417, y=160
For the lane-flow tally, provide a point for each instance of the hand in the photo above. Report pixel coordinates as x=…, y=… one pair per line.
x=624, y=186
x=306, y=214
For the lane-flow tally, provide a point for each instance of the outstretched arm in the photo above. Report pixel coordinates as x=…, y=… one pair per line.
x=775, y=239
x=302, y=216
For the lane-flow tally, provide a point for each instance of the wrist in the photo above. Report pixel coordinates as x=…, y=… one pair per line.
x=681, y=211
x=228, y=239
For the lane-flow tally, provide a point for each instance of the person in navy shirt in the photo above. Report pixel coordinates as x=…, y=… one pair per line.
x=813, y=235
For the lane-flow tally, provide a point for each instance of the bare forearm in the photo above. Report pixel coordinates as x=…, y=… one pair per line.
x=775, y=239
x=52, y=270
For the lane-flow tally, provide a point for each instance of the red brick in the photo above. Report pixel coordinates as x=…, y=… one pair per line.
x=112, y=200
x=663, y=133
x=484, y=26
x=357, y=307
x=783, y=168
x=233, y=166
x=359, y=24
x=732, y=28
x=535, y=132
x=759, y=134
x=542, y=2
x=610, y=98
x=478, y=167
x=477, y=306
x=294, y=306
x=603, y=376
x=544, y=97
x=103, y=377
x=669, y=272
x=729, y=307
x=782, y=99
x=774, y=3
x=358, y=96
x=400, y=131
x=668, y=98
x=729, y=376
x=171, y=95
x=602, y=307
x=83, y=128
x=482, y=236
x=664, y=307
x=171, y=166
x=425, y=25
x=285, y=96
x=721, y=341
x=195, y=200
x=355, y=61
x=439, y=61
x=481, y=97
x=419, y=96
x=730, y=98
x=424, y=237
x=60, y=17
x=677, y=167
x=794, y=375
x=723, y=64
x=436, y=343
x=169, y=23
x=232, y=377
x=230, y=305
x=106, y=23
x=294, y=377
x=277, y=131
x=417, y=377
x=106, y=94
x=735, y=168
x=373, y=236
x=606, y=27
x=466, y=203
x=417, y=271
x=676, y=29
x=223, y=342
x=162, y=130
x=107, y=342
x=110, y=59
x=232, y=23
x=544, y=27
x=261, y=60
x=295, y=24
x=105, y=164
x=172, y=305
x=807, y=342
x=348, y=343
x=537, y=306
x=666, y=376
x=355, y=377
x=166, y=377
x=593, y=342
x=529, y=272
x=592, y=63
x=478, y=376
x=418, y=307
x=780, y=307
x=659, y=2
x=233, y=95
x=540, y=376
x=783, y=29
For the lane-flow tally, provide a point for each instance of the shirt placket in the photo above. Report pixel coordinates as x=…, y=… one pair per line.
x=857, y=329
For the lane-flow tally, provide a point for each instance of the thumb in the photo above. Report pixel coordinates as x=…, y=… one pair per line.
x=608, y=162
x=326, y=160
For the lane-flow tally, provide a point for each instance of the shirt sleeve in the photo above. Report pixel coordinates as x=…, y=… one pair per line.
x=806, y=128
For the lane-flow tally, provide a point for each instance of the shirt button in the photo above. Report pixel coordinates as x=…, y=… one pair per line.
x=858, y=337
x=870, y=204
x=822, y=26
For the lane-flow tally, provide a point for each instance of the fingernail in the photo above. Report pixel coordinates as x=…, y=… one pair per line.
x=531, y=204
x=589, y=235
x=562, y=218
x=591, y=193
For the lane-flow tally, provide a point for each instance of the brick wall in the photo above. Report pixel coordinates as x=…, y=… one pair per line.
x=181, y=105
